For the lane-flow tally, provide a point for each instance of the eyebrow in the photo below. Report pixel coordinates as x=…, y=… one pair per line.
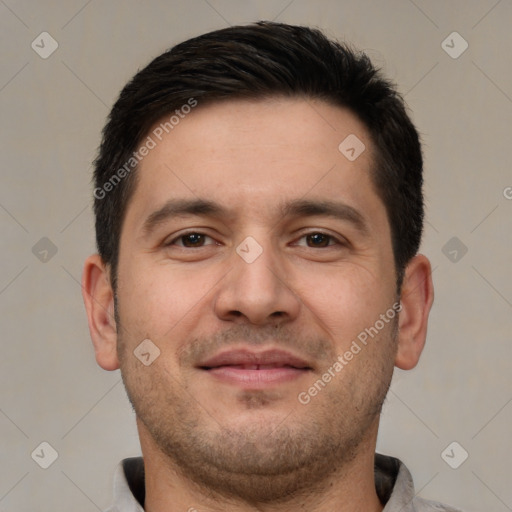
x=181, y=207
x=296, y=208
x=321, y=208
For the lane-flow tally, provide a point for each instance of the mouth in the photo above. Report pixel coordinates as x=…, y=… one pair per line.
x=255, y=370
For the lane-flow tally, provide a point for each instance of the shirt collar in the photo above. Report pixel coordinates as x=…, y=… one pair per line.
x=129, y=490
x=393, y=483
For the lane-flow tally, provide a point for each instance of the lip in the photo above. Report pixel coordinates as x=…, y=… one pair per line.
x=255, y=370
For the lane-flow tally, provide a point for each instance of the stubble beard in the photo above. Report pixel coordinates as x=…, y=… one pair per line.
x=266, y=461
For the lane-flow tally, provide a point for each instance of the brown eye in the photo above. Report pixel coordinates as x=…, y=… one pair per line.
x=191, y=240
x=318, y=240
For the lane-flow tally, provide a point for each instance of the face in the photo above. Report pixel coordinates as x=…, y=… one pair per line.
x=256, y=256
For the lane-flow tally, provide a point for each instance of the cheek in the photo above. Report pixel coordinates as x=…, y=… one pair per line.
x=345, y=300
x=158, y=300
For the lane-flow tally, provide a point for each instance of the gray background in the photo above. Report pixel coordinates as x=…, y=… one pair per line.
x=52, y=113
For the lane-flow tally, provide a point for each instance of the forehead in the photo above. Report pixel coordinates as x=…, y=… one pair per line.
x=246, y=154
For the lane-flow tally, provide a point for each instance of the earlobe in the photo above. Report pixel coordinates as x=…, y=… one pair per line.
x=99, y=303
x=417, y=296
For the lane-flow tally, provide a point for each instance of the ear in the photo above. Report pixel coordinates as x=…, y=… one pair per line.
x=99, y=304
x=416, y=298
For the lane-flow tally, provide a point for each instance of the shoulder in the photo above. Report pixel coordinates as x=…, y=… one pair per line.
x=395, y=488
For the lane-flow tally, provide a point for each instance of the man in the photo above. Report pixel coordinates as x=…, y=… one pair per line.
x=258, y=211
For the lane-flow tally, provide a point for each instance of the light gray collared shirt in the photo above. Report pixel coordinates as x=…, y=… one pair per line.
x=393, y=482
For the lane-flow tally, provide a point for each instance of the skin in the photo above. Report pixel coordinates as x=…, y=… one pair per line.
x=215, y=445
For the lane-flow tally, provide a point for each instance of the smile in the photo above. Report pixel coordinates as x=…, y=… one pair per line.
x=256, y=370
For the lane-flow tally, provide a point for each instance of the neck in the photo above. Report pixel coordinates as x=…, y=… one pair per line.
x=349, y=488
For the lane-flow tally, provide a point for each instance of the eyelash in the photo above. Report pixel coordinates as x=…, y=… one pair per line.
x=311, y=233
x=184, y=235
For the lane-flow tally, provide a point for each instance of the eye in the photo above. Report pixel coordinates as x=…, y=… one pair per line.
x=317, y=240
x=192, y=240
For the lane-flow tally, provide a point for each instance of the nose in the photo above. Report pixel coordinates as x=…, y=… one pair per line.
x=256, y=291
